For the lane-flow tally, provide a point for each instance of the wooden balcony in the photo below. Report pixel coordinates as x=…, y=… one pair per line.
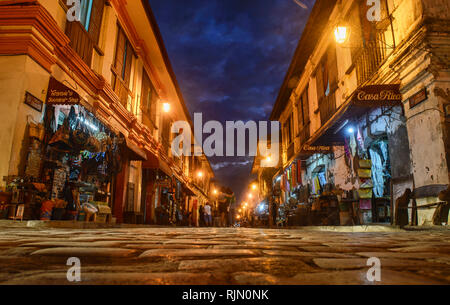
x=304, y=134
x=370, y=58
x=80, y=41
x=147, y=121
x=327, y=107
x=120, y=88
x=290, y=151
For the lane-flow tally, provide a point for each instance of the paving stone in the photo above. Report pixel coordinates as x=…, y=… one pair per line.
x=341, y=249
x=283, y=266
x=200, y=242
x=356, y=263
x=359, y=277
x=75, y=244
x=196, y=252
x=222, y=256
x=408, y=255
x=304, y=254
x=104, y=278
x=255, y=278
x=259, y=247
x=160, y=246
x=440, y=249
x=84, y=252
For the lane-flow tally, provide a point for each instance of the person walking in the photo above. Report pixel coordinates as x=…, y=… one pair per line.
x=274, y=212
x=223, y=210
x=201, y=216
x=208, y=215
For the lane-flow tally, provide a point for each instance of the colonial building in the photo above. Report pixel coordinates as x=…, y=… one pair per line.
x=109, y=73
x=364, y=110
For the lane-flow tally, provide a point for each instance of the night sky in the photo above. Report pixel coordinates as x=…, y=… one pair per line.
x=230, y=58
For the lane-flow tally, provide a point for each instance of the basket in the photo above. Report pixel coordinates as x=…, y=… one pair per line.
x=37, y=131
x=365, y=193
x=364, y=173
x=365, y=163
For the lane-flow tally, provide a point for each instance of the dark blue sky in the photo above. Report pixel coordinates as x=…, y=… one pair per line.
x=230, y=58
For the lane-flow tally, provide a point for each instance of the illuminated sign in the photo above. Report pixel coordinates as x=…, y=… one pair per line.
x=379, y=95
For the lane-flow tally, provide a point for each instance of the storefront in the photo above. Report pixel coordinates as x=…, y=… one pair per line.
x=367, y=133
x=72, y=160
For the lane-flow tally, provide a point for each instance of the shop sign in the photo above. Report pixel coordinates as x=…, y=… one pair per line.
x=379, y=95
x=311, y=150
x=33, y=101
x=59, y=93
x=418, y=98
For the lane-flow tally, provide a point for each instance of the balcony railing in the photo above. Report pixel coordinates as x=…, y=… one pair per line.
x=80, y=41
x=304, y=134
x=370, y=58
x=120, y=88
x=290, y=151
x=147, y=121
x=327, y=107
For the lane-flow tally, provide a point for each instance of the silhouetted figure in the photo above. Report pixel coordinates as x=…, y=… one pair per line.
x=201, y=216
x=401, y=208
x=441, y=213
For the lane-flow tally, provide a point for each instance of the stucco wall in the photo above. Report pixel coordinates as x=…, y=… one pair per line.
x=17, y=75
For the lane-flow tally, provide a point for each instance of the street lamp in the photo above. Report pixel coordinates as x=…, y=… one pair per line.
x=341, y=33
x=215, y=192
x=250, y=196
x=200, y=174
x=254, y=186
x=166, y=107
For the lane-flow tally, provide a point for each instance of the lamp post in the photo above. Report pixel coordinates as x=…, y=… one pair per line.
x=341, y=33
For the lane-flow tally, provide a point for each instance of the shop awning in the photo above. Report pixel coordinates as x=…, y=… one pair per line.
x=136, y=153
x=363, y=100
x=153, y=162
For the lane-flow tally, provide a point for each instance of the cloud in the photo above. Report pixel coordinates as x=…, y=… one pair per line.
x=220, y=165
x=230, y=58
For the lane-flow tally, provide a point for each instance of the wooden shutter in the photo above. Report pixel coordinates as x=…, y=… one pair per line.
x=305, y=104
x=128, y=63
x=332, y=68
x=96, y=20
x=300, y=112
x=120, y=52
x=145, y=93
x=319, y=82
x=153, y=102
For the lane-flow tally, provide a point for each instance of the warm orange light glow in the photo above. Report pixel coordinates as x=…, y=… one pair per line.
x=166, y=107
x=268, y=159
x=341, y=34
x=238, y=217
x=215, y=192
x=250, y=196
x=254, y=186
x=200, y=174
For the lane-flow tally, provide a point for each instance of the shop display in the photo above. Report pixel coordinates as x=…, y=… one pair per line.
x=71, y=160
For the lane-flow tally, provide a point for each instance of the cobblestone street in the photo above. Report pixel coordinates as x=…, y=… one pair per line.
x=221, y=256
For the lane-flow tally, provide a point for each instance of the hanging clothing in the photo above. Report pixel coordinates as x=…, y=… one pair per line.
x=299, y=172
x=322, y=179
x=377, y=173
x=360, y=139
x=352, y=144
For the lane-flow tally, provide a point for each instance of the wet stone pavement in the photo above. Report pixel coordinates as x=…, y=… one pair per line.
x=221, y=256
